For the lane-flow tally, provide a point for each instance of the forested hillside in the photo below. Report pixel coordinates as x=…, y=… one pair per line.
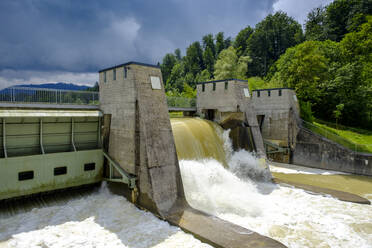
x=328, y=61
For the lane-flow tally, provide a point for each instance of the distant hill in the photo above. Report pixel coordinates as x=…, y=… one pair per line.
x=57, y=86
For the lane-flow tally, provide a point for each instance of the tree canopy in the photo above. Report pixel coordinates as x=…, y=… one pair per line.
x=329, y=65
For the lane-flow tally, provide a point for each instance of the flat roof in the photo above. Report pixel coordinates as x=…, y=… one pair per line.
x=275, y=89
x=129, y=63
x=48, y=113
x=222, y=80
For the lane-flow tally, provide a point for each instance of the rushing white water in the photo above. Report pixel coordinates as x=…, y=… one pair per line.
x=97, y=220
x=290, y=215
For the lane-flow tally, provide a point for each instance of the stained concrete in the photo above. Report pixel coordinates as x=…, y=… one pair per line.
x=341, y=195
x=313, y=150
x=279, y=112
x=230, y=100
x=141, y=141
x=220, y=233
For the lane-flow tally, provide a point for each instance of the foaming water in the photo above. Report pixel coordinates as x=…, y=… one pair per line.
x=290, y=215
x=100, y=219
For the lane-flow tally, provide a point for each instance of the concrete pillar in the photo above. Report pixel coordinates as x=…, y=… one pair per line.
x=244, y=99
x=141, y=138
x=141, y=141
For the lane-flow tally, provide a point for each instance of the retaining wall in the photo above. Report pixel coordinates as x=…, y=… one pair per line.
x=313, y=150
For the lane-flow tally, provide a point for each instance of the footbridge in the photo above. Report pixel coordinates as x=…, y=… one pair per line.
x=57, y=139
x=42, y=98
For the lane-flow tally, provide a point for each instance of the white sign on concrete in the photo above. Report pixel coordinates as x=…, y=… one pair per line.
x=155, y=83
x=246, y=92
x=295, y=98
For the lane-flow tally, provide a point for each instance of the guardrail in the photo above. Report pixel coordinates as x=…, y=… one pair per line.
x=49, y=96
x=73, y=97
x=338, y=139
x=181, y=102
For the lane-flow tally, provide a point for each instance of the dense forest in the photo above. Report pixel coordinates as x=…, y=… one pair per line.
x=328, y=61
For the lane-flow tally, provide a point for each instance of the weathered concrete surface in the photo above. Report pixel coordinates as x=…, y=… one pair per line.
x=278, y=112
x=141, y=140
x=220, y=233
x=118, y=98
x=313, y=150
x=230, y=99
x=251, y=117
x=341, y=195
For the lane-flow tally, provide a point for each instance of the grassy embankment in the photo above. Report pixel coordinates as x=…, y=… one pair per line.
x=354, y=138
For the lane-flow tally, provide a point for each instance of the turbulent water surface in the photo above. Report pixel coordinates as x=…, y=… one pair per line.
x=290, y=215
x=232, y=186
x=100, y=219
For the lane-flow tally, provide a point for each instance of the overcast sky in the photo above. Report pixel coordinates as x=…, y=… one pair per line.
x=70, y=40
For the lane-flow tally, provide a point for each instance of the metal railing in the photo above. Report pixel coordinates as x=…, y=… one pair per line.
x=56, y=96
x=49, y=96
x=181, y=102
x=338, y=139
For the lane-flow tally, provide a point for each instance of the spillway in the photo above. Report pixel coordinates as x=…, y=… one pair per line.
x=241, y=193
x=88, y=219
x=230, y=185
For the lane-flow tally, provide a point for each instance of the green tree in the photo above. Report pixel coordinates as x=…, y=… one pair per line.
x=229, y=65
x=338, y=112
x=270, y=39
x=166, y=67
x=220, y=43
x=208, y=42
x=176, y=78
x=305, y=68
x=194, y=59
x=315, y=24
x=240, y=43
x=203, y=76
x=209, y=60
x=177, y=53
x=344, y=16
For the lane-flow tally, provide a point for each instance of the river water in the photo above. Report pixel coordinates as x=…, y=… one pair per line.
x=99, y=219
x=232, y=186
x=292, y=216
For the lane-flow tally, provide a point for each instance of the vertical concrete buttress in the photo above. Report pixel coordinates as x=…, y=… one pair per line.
x=141, y=141
x=141, y=138
x=250, y=115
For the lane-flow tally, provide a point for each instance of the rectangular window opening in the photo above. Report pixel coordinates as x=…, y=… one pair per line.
x=280, y=92
x=125, y=72
x=258, y=93
x=104, y=77
x=203, y=87
x=60, y=170
x=268, y=93
x=89, y=166
x=226, y=85
x=25, y=175
x=214, y=86
x=114, y=76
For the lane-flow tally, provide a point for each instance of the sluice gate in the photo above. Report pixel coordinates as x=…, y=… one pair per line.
x=128, y=142
x=44, y=150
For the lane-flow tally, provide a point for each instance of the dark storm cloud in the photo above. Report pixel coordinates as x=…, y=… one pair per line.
x=83, y=36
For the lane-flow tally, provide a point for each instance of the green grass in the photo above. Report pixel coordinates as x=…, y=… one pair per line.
x=175, y=114
x=354, y=138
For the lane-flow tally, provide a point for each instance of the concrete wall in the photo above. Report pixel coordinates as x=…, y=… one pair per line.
x=313, y=150
x=221, y=99
x=118, y=98
x=231, y=104
x=141, y=138
x=280, y=110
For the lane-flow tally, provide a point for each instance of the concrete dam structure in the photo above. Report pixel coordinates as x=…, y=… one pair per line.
x=130, y=142
x=127, y=141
